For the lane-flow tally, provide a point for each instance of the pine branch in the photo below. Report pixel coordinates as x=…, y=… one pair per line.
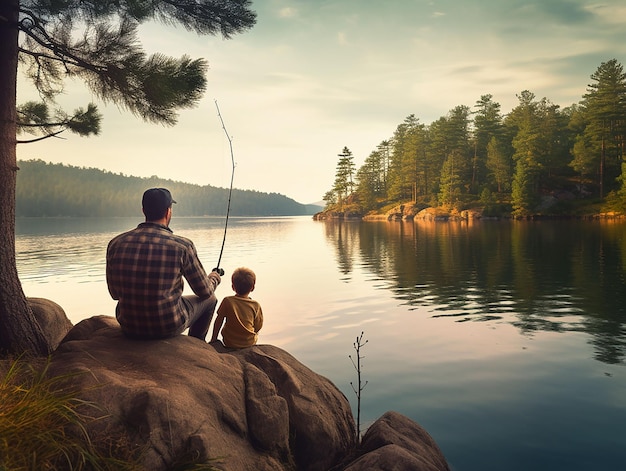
x=41, y=138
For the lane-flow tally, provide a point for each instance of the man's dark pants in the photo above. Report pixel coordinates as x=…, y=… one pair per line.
x=200, y=314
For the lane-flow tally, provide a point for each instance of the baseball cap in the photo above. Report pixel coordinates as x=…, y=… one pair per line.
x=157, y=200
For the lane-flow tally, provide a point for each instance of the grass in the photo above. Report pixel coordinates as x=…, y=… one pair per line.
x=42, y=426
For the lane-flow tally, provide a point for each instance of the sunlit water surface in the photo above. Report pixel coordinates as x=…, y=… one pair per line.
x=506, y=341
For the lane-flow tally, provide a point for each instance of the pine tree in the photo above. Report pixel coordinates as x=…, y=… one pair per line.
x=536, y=124
x=487, y=126
x=499, y=165
x=451, y=181
x=344, y=177
x=605, y=112
x=523, y=195
x=368, y=181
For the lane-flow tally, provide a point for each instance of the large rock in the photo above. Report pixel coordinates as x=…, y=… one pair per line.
x=175, y=401
x=52, y=319
x=181, y=398
x=395, y=442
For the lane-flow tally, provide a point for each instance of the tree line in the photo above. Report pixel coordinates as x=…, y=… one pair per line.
x=50, y=190
x=481, y=156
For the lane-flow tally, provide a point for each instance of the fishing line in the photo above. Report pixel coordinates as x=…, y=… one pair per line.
x=230, y=190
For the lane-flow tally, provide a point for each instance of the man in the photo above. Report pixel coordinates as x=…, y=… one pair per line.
x=145, y=269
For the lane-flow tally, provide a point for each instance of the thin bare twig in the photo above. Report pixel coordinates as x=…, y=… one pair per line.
x=358, y=344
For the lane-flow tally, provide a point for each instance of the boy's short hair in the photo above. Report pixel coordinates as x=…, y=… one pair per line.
x=243, y=280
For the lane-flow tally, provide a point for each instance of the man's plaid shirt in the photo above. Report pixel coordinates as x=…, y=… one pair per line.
x=145, y=270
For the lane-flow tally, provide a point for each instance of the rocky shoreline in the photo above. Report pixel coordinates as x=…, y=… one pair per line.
x=167, y=402
x=410, y=212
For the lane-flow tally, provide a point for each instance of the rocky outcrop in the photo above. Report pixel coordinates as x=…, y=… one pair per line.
x=343, y=215
x=396, y=442
x=51, y=318
x=257, y=408
x=181, y=400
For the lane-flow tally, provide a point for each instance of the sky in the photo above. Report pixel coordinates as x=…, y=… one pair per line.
x=313, y=77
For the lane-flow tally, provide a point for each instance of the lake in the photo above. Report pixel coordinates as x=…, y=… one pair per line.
x=506, y=340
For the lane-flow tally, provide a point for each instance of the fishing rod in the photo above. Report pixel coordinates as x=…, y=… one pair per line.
x=230, y=191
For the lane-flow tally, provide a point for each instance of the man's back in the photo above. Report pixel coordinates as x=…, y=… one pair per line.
x=145, y=269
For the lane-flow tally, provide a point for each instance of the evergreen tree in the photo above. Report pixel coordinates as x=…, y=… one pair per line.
x=455, y=173
x=410, y=176
x=523, y=195
x=451, y=184
x=584, y=161
x=384, y=149
x=499, y=165
x=344, y=177
x=487, y=126
x=526, y=156
x=458, y=134
x=402, y=161
x=330, y=197
x=438, y=150
x=605, y=112
x=420, y=162
x=535, y=149
x=536, y=124
x=368, y=182
x=95, y=42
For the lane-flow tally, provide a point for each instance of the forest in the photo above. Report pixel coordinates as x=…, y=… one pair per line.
x=53, y=190
x=537, y=159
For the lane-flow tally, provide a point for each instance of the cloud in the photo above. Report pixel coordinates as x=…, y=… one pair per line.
x=613, y=14
x=287, y=12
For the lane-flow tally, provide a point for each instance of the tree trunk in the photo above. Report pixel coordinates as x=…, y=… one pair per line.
x=19, y=330
x=602, y=163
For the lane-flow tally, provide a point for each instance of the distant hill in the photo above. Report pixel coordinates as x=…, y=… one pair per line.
x=46, y=189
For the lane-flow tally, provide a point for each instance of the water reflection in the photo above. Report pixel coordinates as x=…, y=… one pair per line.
x=484, y=334
x=558, y=276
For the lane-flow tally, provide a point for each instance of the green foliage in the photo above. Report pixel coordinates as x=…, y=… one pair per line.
x=344, y=177
x=488, y=161
x=496, y=210
x=530, y=153
x=97, y=42
x=604, y=111
x=522, y=195
x=584, y=159
x=499, y=166
x=41, y=426
x=487, y=197
x=451, y=186
x=616, y=201
x=35, y=118
x=52, y=190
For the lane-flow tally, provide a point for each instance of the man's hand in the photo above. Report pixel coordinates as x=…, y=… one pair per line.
x=215, y=276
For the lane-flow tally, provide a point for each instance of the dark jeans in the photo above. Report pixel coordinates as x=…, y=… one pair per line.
x=200, y=314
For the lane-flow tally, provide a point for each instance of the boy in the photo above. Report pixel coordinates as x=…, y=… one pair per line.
x=243, y=315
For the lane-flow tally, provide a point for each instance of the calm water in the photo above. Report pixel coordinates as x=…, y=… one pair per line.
x=505, y=340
